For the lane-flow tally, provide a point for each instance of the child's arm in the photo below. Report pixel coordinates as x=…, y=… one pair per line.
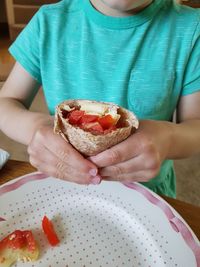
x=15, y=97
x=139, y=157
x=187, y=132
x=48, y=151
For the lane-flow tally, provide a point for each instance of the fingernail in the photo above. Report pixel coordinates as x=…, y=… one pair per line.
x=93, y=172
x=96, y=180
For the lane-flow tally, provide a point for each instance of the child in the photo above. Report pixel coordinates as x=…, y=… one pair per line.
x=141, y=54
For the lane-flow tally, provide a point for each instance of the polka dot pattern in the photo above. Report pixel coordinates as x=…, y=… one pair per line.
x=96, y=227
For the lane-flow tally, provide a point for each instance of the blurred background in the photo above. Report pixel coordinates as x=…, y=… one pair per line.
x=14, y=15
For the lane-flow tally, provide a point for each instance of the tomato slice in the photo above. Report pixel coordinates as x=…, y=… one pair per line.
x=92, y=123
x=93, y=127
x=49, y=231
x=86, y=118
x=75, y=116
x=19, y=239
x=109, y=130
x=107, y=121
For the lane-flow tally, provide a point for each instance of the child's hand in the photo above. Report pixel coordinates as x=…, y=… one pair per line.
x=139, y=157
x=50, y=154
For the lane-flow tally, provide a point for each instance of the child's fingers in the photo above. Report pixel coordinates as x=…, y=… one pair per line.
x=52, y=155
x=121, y=152
x=140, y=176
x=48, y=163
x=138, y=167
x=64, y=151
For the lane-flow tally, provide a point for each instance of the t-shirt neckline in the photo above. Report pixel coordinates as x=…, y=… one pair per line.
x=121, y=22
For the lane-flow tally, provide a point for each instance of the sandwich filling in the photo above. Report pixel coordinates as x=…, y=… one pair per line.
x=96, y=118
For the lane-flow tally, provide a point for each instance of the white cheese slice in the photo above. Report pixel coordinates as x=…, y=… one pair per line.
x=94, y=108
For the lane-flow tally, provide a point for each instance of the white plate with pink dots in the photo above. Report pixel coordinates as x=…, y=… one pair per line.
x=111, y=224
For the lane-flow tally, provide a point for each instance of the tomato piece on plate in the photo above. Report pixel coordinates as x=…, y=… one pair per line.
x=49, y=231
x=30, y=241
x=15, y=240
x=86, y=118
x=19, y=245
x=19, y=239
x=107, y=121
x=75, y=116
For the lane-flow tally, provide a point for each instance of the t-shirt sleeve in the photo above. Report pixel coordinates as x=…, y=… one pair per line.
x=191, y=82
x=26, y=48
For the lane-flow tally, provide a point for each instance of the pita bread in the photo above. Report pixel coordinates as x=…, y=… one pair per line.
x=86, y=142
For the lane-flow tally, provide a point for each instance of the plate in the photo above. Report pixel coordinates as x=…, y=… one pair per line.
x=111, y=224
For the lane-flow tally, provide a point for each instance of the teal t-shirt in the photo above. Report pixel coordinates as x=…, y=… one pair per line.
x=143, y=62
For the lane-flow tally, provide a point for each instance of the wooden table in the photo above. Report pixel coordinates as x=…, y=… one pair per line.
x=190, y=213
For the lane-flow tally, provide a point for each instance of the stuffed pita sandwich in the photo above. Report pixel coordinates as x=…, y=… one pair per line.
x=92, y=127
